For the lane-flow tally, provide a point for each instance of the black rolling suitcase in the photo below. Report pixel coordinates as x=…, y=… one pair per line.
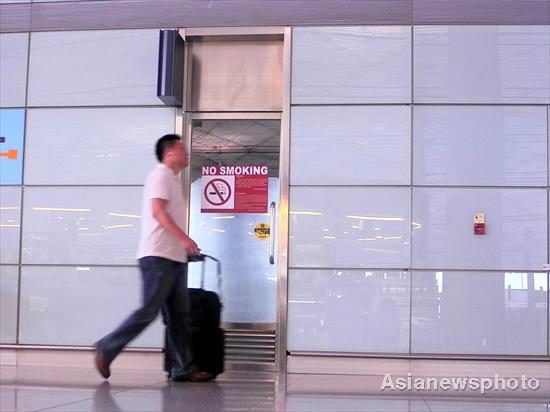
x=207, y=338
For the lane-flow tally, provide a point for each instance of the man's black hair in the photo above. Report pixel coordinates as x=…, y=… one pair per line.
x=168, y=140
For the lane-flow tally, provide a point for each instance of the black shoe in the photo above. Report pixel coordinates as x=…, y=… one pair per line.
x=102, y=365
x=193, y=377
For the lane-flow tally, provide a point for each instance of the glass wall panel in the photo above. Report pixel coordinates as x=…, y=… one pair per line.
x=88, y=68
x=348, y=311
x=480, y=146
x=351, y=64
x=99, y=299
x=481, y=64
x=343, y=227
x=10, y=221
x=14, y=49
x=479, y=313
x=12, y=132
x=8, y=303
x=81, y=225
x=94, y=146
x=516, y=229
x=335, y=145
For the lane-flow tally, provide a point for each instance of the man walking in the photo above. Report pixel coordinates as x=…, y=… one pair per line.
x=162, y=255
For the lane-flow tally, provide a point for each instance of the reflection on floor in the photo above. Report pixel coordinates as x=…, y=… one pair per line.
x=79, y=390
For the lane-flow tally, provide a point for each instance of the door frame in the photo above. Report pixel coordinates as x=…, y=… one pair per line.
x=183, y=126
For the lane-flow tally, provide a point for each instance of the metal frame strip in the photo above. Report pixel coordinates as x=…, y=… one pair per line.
x=284, y=182
x=430, y=356
x=235, y=115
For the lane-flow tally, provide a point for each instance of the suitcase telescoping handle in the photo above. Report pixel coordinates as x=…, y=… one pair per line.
x=202, y=258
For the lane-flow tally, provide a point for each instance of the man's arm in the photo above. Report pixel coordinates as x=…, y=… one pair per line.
x=162, y=216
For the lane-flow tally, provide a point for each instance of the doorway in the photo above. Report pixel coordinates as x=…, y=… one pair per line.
x=236, y=114
x=249, y=266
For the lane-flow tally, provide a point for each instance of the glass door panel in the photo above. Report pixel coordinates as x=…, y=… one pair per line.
x=249, y=286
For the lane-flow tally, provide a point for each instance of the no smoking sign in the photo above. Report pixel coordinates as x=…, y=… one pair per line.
x=234, y=189
x=218, y=192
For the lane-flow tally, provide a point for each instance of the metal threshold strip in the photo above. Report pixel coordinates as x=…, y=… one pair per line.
x=425, y=356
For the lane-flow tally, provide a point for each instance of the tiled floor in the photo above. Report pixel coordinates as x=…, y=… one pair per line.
x=81, y=389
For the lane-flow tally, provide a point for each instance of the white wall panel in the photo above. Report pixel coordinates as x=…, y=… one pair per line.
x=8, y=303
x=480, y=146
x=351, y=64
x=355, y=311
x=88, y=68
x=344, y=227
x=481, y=64
x=13, y=69
x=81, y=225
x=79, y=305
x=334, y=145
x=516, y=229
x=479, y=313
x=10, y=221
x=94, y=146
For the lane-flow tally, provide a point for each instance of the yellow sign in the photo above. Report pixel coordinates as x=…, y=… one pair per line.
x=261, y=231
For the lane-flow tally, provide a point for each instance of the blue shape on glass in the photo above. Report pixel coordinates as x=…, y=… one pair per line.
x=12, y=131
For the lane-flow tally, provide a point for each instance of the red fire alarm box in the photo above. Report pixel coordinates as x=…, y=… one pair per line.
x=479, y=224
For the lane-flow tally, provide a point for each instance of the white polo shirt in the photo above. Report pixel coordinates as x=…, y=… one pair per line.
x=162, y=183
